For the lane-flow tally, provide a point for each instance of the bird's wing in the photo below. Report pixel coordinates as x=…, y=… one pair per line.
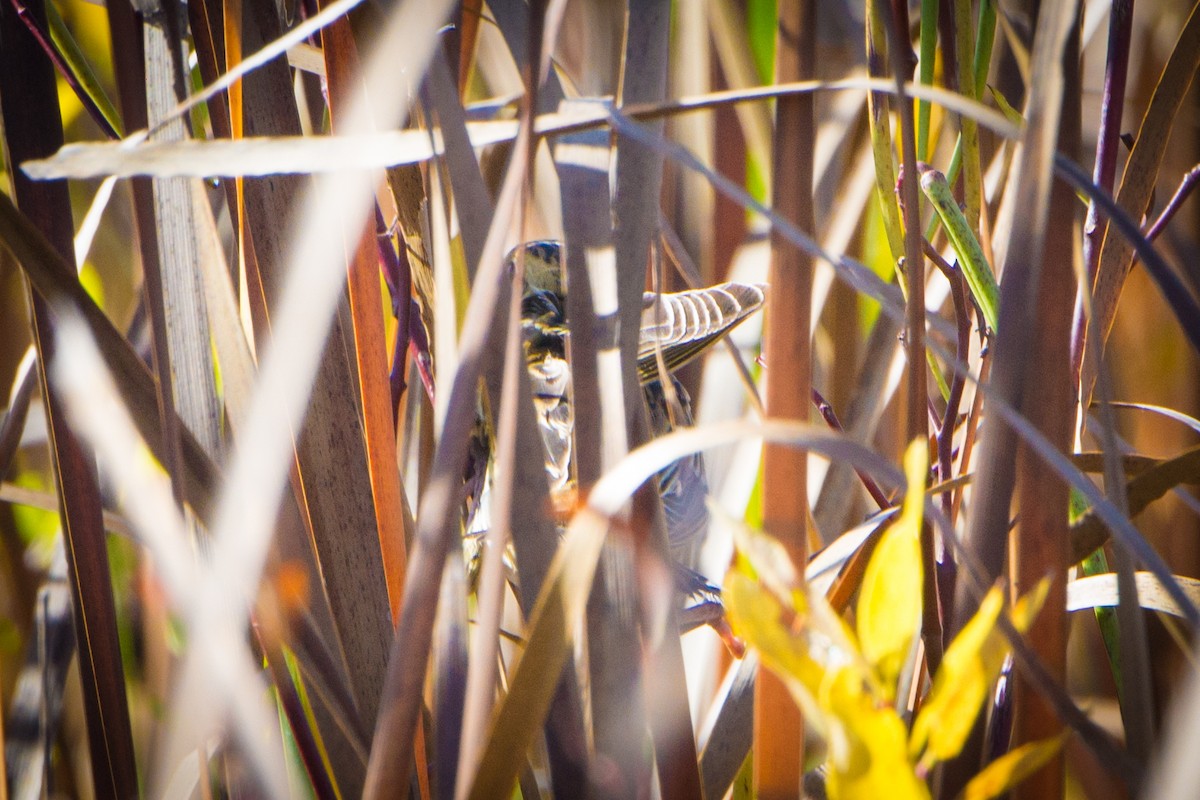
x=684, y=324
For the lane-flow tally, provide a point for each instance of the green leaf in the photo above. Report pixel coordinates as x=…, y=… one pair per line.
x=889, y=605
x=1010, y=769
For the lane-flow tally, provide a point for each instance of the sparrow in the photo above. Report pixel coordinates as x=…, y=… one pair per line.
x=676, y=327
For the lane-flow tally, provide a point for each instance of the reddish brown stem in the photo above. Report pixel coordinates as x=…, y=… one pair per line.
x=827, y=413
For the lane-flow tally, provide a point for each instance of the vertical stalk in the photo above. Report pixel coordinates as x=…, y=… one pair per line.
x=32, y=125
x=972, y=181
x=778, y=726
x=1015, y=347
x=880, y=128
x=1112, y=105
x=1041, y=541
x=916, y=424
x=929, y=12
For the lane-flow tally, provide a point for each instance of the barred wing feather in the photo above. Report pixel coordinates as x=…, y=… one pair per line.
x=684, y=324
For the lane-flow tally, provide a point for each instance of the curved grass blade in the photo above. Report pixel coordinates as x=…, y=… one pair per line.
x=970, y=254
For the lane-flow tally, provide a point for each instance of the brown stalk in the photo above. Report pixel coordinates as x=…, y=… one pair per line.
x=1040, y=543
x=636, y=208
x=333, y=478
x=987, y=533
x=916, y=425
x=370, y=348
x=533, y=536
x=586, y=222
x=778, y=726
x=33, y=128
x=400, y=709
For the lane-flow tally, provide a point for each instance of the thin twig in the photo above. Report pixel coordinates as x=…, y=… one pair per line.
x=945, y=436
x=827, y=414
x=1186, y=186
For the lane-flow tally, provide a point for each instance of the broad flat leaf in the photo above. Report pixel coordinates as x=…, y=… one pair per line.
x=813, y=651
x=757, y=616
x=867, y=753
x=889, y=605
x=960, y=685
x=1010, y=769
x=763, y=556
x=763, y=560
x=1099, y=591
x=797, y=636
x=971, y=664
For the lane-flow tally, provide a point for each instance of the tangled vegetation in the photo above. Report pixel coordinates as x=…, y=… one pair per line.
x=314, y=486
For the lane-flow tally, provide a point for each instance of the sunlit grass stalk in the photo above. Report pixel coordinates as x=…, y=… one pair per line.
x=883, y=148
x=983, y=60
x=81, y=75
x=929, y=13
x=969, y=136
x=881, y=134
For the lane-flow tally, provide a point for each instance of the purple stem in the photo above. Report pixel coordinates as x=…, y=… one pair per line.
x=389, y=260
x=1112, y=105
x=945, y=437
x=832, y=421
x=35, y=28
x=1186, y=186
x=410, y=333
x=945, y=569
x=396, y=382
x=392, y=276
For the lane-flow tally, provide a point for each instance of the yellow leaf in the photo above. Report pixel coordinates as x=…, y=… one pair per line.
x=768, y=558
x=1006, y=108
x=1026, y=609
x=889, y=604
x=801, y=639
x=1010, y=769
x=969, y=667
x=867, y=754
x=757, y=616
x=960, y=686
